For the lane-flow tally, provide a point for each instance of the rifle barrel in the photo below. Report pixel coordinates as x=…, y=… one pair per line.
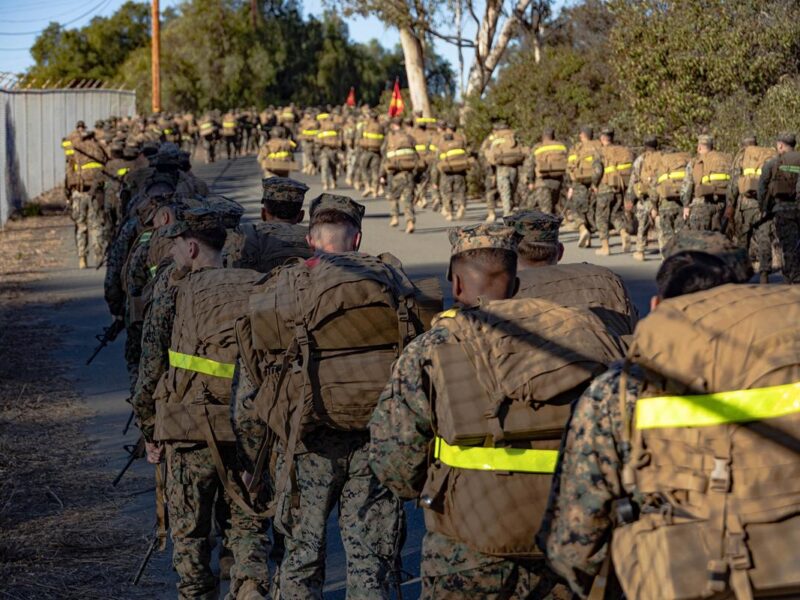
x=140, y=571
x=127, y=466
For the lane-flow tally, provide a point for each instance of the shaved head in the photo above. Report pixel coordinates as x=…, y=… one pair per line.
x=487, y=273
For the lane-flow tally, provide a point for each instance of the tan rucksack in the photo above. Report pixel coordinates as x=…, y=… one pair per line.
x=453, y=156
x=583, y=285
x=265, y=246
x=401, y=154
x=785, y=174
x=670, y=173
x=617, y=166
x=648, y=174
x=196, y=388
x=712, y=173
x=329, y=135
x=551, y=160
x=753, y=158
x=584, y=156
x=506, y=149
x=715, y=448
x=372, y=136
x=277, y=155
x=503, y=385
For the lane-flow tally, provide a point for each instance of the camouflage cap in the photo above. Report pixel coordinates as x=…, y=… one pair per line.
x=80, y=125
x=587, y=130
x=716, y=244
x=194, y=219
x=230, y=212
x=535, y=227
x=283, y=189
x=788, y=138
x=706, y=140
x=609, y=131
x=480, y=236
x=335, y=203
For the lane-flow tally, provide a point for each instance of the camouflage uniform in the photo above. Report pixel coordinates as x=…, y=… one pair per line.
x=640, y=193
x=87, y=199
x=117, y=255
x=506, y=186
x=402, y=432
x=746, y=213
x=401, y=190
x=786, y=211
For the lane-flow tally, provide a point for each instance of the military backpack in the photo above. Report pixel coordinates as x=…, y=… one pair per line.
x=670, y=173
x=505, y=149
x=265, y=246
x=711, y=174
x=550, y=160
x=753, y=159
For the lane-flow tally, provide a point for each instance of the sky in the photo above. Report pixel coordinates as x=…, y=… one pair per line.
x=20, y=22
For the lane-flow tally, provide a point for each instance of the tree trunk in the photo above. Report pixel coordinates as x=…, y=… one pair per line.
x=415, y=70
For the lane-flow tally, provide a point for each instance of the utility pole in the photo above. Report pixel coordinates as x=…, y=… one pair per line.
x=155, y=51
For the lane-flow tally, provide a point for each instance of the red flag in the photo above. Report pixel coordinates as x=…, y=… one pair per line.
x=351, y=98
x=396, y=106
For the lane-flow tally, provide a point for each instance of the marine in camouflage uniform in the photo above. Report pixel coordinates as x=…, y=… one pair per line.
x=641, y=197
x=192, y=484
x=581, y=200
x=402, y=433
x=544, y=192
x=87, y=199
x=608, y=203
x=588, y=480
x=704, y=213
x=401, y=183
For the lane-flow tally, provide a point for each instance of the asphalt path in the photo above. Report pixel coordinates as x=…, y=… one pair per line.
x=81, y=309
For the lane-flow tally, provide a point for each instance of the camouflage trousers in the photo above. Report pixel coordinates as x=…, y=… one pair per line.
x=787, y=230
x=327, y=167
x=644, y=220
x=87, y=213
x=582, y=205
x=506, y=187
x=453, y=190
x=210, y=146
x=670, y=221
x=192, y=487
x=352, y=170
x=608, y=213
x=133, y=351
x=309, y=162
x=333, y=472
x=706, y=215
x=545, y=198
x=452, y=571
x=401, y=189
x=231, y=146
x=756, y=239
x=370, y=163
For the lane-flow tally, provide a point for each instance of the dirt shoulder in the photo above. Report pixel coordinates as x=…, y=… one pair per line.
x=65, y=533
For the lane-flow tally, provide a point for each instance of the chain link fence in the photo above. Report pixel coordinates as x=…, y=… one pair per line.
x=32, y=124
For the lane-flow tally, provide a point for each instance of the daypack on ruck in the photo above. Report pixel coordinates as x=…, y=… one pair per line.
x=505, y=149
x=670, y=173
x=193, y=395
x=583, y=285
x=783, y=184
x=503, y=384
x=617, y=166
x=401, y=154
x=715, y=448
x=712, y=173
x=372, y=136
x=453, y=156
x=265, y=246
x=753, y=158
x=648, y=174
x=328, y=135
x=550, y=160
x=581, y=159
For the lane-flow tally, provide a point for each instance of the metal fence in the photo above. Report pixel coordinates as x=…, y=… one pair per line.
x=32, y=124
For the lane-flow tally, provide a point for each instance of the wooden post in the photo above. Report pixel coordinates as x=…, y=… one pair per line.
x=155, y=48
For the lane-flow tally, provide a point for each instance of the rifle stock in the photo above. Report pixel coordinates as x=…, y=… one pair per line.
x=136, y=452
x=109, y=334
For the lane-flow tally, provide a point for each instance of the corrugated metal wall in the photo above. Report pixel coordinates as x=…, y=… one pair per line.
x=32, y=123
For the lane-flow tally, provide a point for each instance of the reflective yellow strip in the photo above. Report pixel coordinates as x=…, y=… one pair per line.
x=229, y=124
x=206, y=125
x=550, y=148
x=199, y=364
x=292, y=144
x=715, y=177
x=66, y=144
x=499, y=140
x=281, y=154
x=449, y=313
x=322, y=116
x=288, y=115
x=718, y=409
x=671, y=175
x=433, y=147
x=329, y=133
x=310, y=131
x=153, y=270
x=122, y=171
x=750, y=172
x=619, y=167
x=453, y=152
x=145, y=237
x=69, y=152
x=425, y=120
x=479, y=458
x=790, y=169
x=91, y=165
x=167, y=131
x=421, y=147
x=572, y=158
x=373, y=136
x=400, y=152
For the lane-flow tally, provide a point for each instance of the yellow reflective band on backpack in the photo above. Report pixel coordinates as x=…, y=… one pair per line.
x=167, y=131
x=69, y=152
x=229, y=124
x=671, y=175
x=206, y=125
x=328, y=133
x=400, y=152
x=572, y=158
x=322, y=116
x=199, y=364
x=551, y=148
x=425, y=120
x=703, y=410
x=498, y=140
x=279, y=155
x=480, y=458
x=122, y=171
x=421, y=147
x=620, y=167
x=453, y=152
x=66, y=144
x=750, y=172
x=373, y=136
x=91, y=165
x=310, y=131
x=715, y=177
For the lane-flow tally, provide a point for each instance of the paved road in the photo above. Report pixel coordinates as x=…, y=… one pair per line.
x=104, y=384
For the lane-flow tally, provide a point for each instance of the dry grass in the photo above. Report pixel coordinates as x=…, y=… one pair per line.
x=62, y=533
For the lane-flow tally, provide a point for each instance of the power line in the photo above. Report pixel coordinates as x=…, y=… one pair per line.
x=47, y=18
x=27, y=7
x=97, y=7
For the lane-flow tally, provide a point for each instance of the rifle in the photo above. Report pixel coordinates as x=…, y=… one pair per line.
x=128, y=422
x=109, y=334
x=159, y=540
x=135, y=452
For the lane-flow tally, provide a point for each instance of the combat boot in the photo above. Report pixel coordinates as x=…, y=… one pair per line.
x=394, y=222
x=585, y=239
x=491, y=217
x=409, y=226
x=366, y=193
x=626, y=240
x=603, y=250
x=448, y=216
x=638, y=256
x=82, y=262
x=763, y=277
